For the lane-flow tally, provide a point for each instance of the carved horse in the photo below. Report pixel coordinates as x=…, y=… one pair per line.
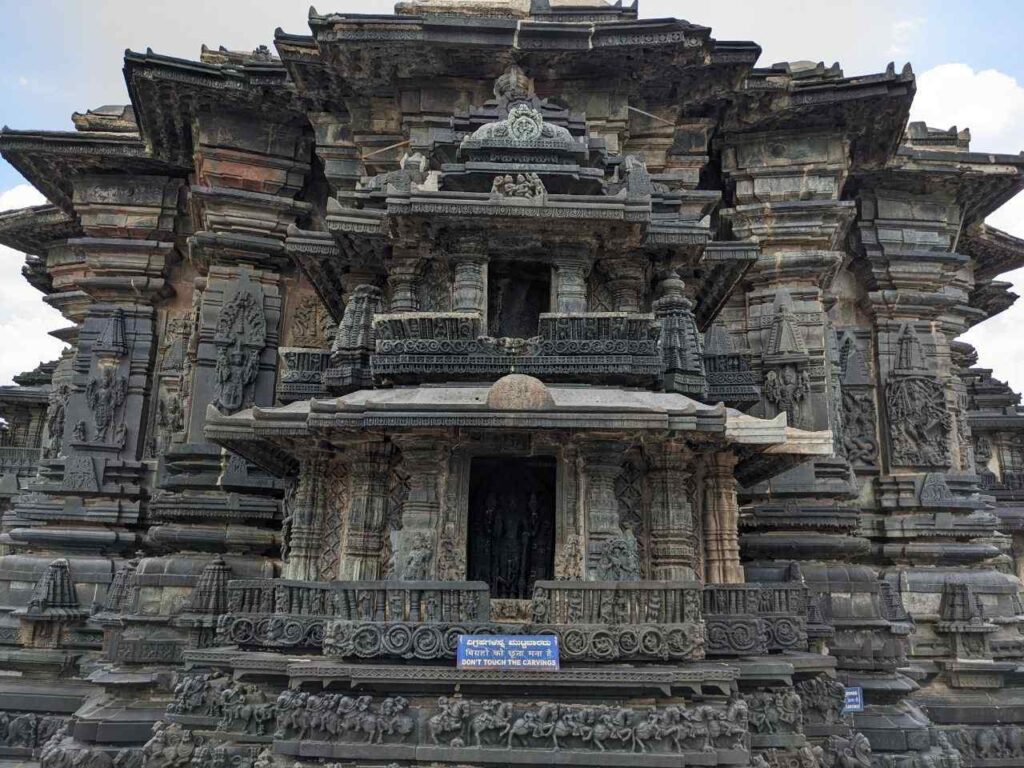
x=495, y=717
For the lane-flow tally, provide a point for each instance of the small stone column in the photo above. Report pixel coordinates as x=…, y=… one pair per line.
x=469, y=258
x=422, y=458
x=625, y=281
x=602, y=463
x=571, y=293
x=671, y=527
x=304, y=527
x=367, y=511
x=402, y=274
x=721, y=521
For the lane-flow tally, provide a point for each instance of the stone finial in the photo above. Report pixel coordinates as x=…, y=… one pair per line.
x=517, y=392
x=111, y=341
x=54, y=593
x=513, y=87
x=909, y=354
x=785, y=340
x=210, y=594
x=119, y=590
x=681, y=348
x=959, y=605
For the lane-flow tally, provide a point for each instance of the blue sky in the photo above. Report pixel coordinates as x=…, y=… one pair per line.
x=60, y=56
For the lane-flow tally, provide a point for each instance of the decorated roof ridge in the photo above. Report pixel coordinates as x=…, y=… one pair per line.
x=30, y=230
x=920, y=134
x=555, y=10
x=109, y=118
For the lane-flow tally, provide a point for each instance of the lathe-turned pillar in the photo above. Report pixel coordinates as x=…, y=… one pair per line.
x=672, y=533
x=470, y=284
x=602, y=464
x=572, y=269
x=721, y=521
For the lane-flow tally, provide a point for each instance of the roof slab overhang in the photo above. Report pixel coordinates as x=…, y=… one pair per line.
x=275, y=438
x=51, y=160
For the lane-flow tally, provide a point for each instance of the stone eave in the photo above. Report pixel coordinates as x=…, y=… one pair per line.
x=20, y=395
x=30, y=230
x=989, y=421
x=273, y=437
x=50, y=160
x=168, y=92
x=980, y=182
x=991, y=297
x=431, y=47
x=993, y=251
x=870, y=110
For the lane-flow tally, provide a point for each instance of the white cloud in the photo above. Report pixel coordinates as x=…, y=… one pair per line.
x=24, y=319
x=903, y=33
x=991, y=104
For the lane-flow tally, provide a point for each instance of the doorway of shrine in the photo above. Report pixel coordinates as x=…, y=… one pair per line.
x=511, y=523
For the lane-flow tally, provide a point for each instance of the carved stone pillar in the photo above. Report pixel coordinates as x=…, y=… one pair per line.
x=626, y=282
x=402, y=274
x=304, y=526
x=571, y=292
x=602, y=463
x=672, y=553
x=721, y=520
x=367, y=511
x=470, y=278
x=422, y=458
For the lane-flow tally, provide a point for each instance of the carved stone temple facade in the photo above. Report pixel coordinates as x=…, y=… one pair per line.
x=511, y=317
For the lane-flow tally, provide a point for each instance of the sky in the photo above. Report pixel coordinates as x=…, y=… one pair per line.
x=59, y=56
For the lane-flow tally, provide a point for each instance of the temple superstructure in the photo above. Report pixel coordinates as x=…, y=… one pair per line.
x=501, y=318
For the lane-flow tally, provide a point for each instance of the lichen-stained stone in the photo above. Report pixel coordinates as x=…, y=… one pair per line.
x=511, y=318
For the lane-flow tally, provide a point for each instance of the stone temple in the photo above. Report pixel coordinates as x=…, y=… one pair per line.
x=511, y=317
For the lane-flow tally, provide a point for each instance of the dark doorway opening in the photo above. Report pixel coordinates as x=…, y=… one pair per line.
x=511, y=523
x=517, y=293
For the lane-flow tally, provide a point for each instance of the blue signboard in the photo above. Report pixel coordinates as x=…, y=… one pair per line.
x=854, y=700
x=526, y=652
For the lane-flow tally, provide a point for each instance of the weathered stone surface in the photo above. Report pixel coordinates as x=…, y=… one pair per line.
x=460, y=322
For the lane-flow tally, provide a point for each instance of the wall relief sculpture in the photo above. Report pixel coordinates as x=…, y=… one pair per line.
x=106, y=394
x=920, y=424
x=239, y=338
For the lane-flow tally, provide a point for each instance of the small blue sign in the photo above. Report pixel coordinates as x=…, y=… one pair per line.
x=854, y=700
x=526, y=652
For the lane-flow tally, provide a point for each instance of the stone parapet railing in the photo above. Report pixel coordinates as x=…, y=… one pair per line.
x=277, y=613
x=755, y=619
x=418, y=346
x=595, y=621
